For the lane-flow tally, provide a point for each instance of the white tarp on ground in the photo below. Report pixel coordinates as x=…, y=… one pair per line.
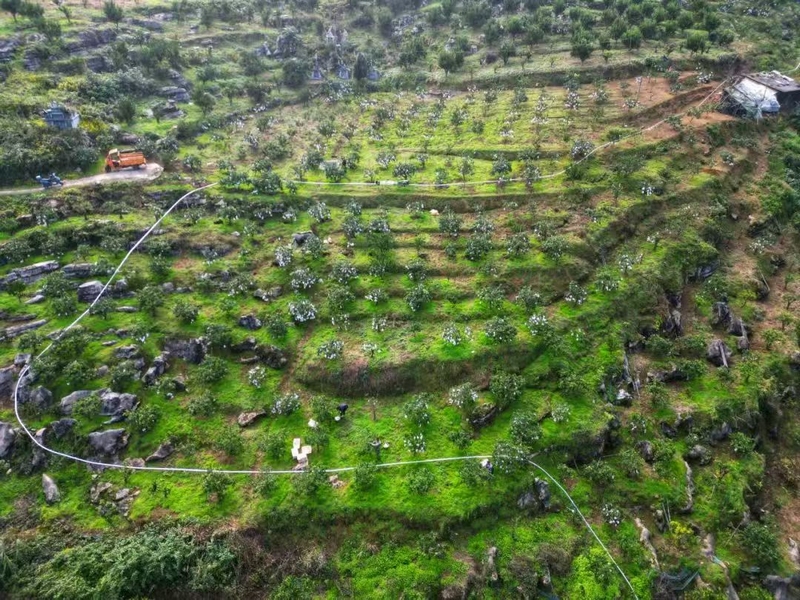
x=755, y=97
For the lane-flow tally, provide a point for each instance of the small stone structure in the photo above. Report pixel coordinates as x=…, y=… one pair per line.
x=61, y=117
x=300, y=453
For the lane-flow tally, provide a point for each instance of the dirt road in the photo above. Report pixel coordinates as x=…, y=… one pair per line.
x=151, y=171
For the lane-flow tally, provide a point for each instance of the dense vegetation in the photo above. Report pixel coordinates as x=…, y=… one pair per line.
x=534, y=279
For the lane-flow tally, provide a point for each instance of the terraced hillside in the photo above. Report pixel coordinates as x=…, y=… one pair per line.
x=423, y=333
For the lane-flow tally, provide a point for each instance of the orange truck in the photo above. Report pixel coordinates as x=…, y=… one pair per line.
x=124, y=159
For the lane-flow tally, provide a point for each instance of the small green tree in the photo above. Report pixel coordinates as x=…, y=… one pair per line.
x=151, y=298
x=12, y=7
x=450, y=61
x=632, y=38
x=466, y=168
x=507, y=51
x=102, y=307
x=216, y=484
x=185, y=311
x=697, y=42
x=361, y=68
x=113, y=12
x=203, y=100
x=582, y=46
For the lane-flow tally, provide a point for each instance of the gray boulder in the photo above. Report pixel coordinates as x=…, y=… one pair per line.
x=68, y=402
x=7, y=436
x=8, y=378
x=51, y=493
x=36, y=299
x=537, y=498
x=718, y=353
x=737, y=327
x=78, y=270
x=156, y=370
x=115, y=404
x=272, y=356
x=38, y=456
x=149, y=24
x=542, y=493
x=743, y=343
x=192, y=351
x=40, y=397
x=178, y=79
x=623, y=398
x=269, y=295
x=108, y=443
x=673, y=323
x=720, y=434
x=92, y=38
x=127, y=352
x=783, y=588
x=62, y=427
x=699, y=454
x=163, y=451
x=16, y=330
x=248, y=418
x=29, y=274
x=721, y=314
x=174, y=93
x=7, y=49
x=250, y=322
x=646, y=451
x=99, y=64
x=299, y=239
x=247, y=345
x=88, y=291
x=119, y=289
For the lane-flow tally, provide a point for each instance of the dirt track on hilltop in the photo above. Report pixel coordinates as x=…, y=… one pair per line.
x=150, y=172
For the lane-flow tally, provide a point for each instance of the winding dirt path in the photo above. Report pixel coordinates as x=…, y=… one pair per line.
x=150, y=172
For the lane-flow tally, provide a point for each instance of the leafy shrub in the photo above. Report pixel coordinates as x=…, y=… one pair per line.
x=473, y=474
x=478, y=246
x=87, y=408
x=204, y=405
x=185, y=312
x=230, y=441
x=211, y=370
x=285, y=404
x=331, y=350
x=500, y=330
x=364, y=476
x=509, y=458
x=421, y=480
x=761, y=542
x=417, y=297
x=417, y=411
x=310, y=481
x=149, y=562
x=506, y=388
x=144, y=418
x=216, y=483
x=273, y=445
x=525, y=429
x=302, y=311
x=463, y=396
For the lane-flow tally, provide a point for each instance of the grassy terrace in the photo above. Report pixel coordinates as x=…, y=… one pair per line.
x=525, y=320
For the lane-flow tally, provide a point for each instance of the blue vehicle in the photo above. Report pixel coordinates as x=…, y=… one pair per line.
x=48, y=182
